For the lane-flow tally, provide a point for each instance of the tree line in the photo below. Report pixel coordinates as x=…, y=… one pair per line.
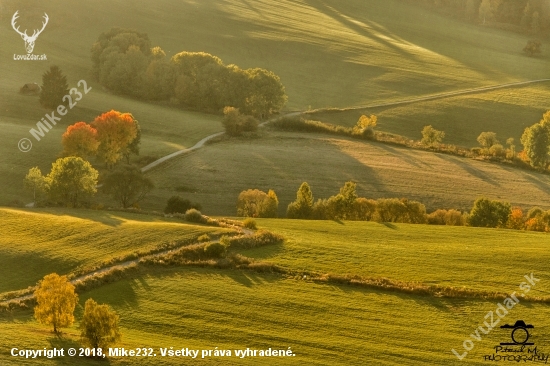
x=124, y=62
x=527, y=16
x=347, y=205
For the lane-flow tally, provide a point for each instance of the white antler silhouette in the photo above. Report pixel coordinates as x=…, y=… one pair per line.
x=29, y=41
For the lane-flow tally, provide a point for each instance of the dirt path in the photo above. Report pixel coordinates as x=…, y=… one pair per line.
x=201, y=143
x=121, y=265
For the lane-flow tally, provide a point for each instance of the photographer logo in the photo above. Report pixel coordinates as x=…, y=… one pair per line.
x=29, y=40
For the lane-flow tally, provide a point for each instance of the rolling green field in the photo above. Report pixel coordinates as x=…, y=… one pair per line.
x=53, y=240
x=215, y=175
x=324, y=324
x=507, y=112
x=328, y=54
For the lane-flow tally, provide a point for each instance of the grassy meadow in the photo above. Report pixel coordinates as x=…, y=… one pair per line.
x=327, y=53
x=317, y=48
x=52, y=240
x=507, y=112
x=215, y=175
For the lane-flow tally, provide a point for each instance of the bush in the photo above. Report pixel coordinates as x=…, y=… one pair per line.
x=250, y=224
x=256, y=203
x=488, y=213
x=235, y=123
x=437, y=217
x=446, y=217
x=203, y=238
x=534, y=212
x=363, y=209
x=516, y=220
x=432, y=137
x=302, y=208
x=177, y=204
x=405, y=211
x=497, y=150
x=193, y=215
x=215, y=250
x=260, y=238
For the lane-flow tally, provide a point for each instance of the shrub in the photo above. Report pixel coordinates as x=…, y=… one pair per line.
x=437, y=217
x=250, y=224
x=497, y=150
x=215, y=250
x=432, y=137
x=487, y=139
x=405, y=211
x=177, y=204
x=365, y=126
x=256, y=203
x=516, y=220
x=260, y=238
x=235, y=123
x=534, y=212
x=363, y=209
x=488, y=213
x=193, y=215
x=203, y=238
x=455, y=218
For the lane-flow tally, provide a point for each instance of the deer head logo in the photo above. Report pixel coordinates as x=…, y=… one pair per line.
x=29, y=40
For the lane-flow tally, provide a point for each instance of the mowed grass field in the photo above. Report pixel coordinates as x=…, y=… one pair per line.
x=215, y=175
x=507, y=112
x=476, y=258
x=36, y=243
x=323, y=324
x=327, y=54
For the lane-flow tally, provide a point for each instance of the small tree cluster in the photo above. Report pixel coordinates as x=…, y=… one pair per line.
x=533, y=48
x=256, y=203
x=365, y=126
x=432, y=137
x=489, y=213
x=236, y=124
x=71, y=181
x=124, y=61
x=536, y=143
x=177, y=204
x=447, y=217
x=111, y=136
x=55, y=303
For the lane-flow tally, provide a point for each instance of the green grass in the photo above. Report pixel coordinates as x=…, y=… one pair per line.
x=507, y=112
x=329, y=53
x=215, y=175
x=62, y=241
x=476, y=258
x=323, y=325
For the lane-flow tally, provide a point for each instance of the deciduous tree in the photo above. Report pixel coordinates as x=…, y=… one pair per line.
x=127, y=185
x=71, y=180
x=115, y=132
x=99, y=326
x=80, y=140
x=56, y=300
x=36, y=183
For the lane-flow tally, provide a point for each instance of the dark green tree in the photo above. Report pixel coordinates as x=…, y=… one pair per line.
x=489, y=213
x=127, y=185
x=54, y=88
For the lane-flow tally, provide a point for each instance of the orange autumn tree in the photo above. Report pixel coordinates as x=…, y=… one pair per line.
x=115, y=132
x=516, y=220
x=80, y=140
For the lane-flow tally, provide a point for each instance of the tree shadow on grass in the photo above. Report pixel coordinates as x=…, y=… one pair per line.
x=62, y=341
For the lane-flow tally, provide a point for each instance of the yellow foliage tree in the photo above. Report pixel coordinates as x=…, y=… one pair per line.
x=99, y=326
x=56, y=301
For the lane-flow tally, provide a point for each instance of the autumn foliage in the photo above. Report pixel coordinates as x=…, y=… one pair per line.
x=115, y=131
x=56, y=301
x=111, y=136
x=80, y=140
